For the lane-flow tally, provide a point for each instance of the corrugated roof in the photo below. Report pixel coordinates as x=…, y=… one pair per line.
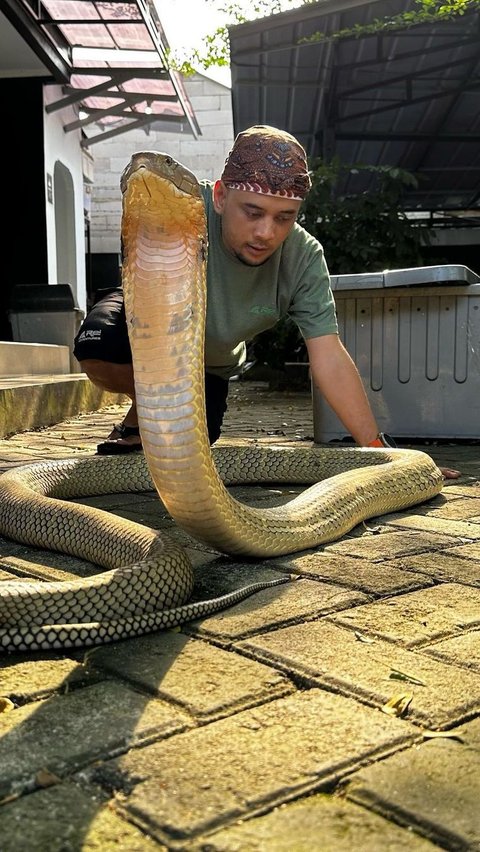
x=407, y=98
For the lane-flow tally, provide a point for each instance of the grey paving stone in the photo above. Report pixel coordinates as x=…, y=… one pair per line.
x=456, y=508
x=10, y=548
x=47, y=565
x=259, y=758
x=469, y=551
x=23, y=681
x=279, y=605
x=329, y=656
x=360, y=574
x=319, y=822
x=67, y=731
x=461, y=650
x=435, y=786
x=468, y=489
x=206, y=681
x=390, y=543
x=418, y=617
x=223, y=575
x=436, y=526
x=264, y=759
x=65, y=818
x=448, y=565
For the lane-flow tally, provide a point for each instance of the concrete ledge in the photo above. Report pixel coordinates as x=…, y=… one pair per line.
x=31, y=402
x=33, y=359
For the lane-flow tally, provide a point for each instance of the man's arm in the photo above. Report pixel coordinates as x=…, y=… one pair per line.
x=337, y=378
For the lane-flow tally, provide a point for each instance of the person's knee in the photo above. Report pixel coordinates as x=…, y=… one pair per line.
x=116, y=378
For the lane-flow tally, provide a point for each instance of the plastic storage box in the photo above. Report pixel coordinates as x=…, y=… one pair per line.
x=414, y=335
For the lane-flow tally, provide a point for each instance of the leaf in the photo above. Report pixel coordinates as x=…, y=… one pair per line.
x=397, y=704
x=395, y=674
x=45, y=778
x=360, y=638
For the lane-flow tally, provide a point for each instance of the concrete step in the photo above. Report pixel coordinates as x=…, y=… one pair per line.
x=33, y=401
x=34, y=359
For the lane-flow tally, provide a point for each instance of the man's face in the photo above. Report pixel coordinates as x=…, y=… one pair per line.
x=253, y=225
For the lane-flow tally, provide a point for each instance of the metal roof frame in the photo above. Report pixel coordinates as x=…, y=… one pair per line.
x=405, y=97
x=111, y=58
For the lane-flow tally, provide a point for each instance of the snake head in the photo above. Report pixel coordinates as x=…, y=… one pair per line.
x=163, y=166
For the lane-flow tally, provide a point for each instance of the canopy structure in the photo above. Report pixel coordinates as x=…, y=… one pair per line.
x=407, y=97
x=112, y=61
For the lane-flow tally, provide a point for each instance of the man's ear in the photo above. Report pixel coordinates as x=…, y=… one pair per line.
x=219, y=196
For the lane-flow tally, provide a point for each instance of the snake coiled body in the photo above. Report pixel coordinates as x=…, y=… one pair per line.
x=148, y=579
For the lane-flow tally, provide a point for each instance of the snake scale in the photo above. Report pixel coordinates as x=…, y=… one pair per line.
x=147, y=579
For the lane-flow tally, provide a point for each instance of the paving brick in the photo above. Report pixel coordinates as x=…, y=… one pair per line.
x=23, y=681
x=274, y=607
x=446, y=566
x=361, y=574
x=317, y=822
x=207, y=777
x=389, y=544
x=418, y=617
x=331, y=657
x=68, y=731
x=206, y=681
x=66, y=818
x=469, y=489
x=461, y=650
x=435, y=786
x=469, y=551
x=46, y=565
x=439, y=526
x=455, y=508
x=174, y=770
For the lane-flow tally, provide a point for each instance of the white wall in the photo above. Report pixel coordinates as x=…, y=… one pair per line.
x=64, y=148
x=205, y=156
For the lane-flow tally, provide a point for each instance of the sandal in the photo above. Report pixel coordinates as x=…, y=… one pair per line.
x=112, y=445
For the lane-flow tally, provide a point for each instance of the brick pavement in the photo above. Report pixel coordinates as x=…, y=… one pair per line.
x=263, y=727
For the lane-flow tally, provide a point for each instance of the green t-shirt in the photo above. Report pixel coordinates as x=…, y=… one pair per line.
x=244, y=300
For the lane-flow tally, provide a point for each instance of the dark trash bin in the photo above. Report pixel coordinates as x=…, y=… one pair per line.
x=45, y=313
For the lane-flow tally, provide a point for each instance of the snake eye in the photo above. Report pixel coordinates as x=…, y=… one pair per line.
x=169, y=161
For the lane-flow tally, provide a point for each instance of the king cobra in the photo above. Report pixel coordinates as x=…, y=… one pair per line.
x=147, y=581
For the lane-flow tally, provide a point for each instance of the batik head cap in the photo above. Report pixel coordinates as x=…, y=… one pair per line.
x=269, y=161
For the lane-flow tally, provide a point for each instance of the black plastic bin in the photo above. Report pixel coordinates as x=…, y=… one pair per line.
x=45, y=313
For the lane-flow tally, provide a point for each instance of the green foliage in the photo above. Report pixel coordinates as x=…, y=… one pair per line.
x=365, y=232
x=216, y=49
x=427, y=12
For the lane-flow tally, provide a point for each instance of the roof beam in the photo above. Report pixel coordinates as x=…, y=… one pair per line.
x=48, y=22
x=26, y=24
x=178, y=123
x=402, y=78
x=398, y=102
x=80, y=94
x=96, y=114
x=372, y=136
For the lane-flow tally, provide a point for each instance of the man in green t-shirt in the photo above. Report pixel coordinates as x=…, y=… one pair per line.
x=261, y=266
